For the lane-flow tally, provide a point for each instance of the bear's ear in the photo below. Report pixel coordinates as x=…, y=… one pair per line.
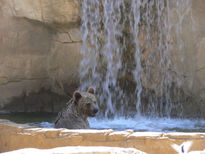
x=91, y=90
x=76, y=96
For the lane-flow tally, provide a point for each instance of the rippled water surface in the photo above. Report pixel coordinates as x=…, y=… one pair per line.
x=151, y=124
x=139, y=123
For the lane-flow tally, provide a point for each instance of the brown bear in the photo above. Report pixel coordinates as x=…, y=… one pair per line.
x=78, y=109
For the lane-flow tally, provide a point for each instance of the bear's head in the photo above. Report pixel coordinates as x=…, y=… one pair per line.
x=86, y=102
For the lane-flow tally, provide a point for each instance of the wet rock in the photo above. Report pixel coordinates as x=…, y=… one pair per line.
x=42, y=101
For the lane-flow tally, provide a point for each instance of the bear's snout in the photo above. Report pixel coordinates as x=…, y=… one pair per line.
x=95, y=110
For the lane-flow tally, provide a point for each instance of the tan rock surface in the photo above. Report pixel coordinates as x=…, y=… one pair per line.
x=200, y=72
x=13, y=137
x=192, y=35
x=54, y=12
x=79, y=150
x=39, y=49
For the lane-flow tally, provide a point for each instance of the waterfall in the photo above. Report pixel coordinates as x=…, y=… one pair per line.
x=128, y=50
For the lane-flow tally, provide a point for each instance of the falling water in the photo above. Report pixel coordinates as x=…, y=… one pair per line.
x=128, y=55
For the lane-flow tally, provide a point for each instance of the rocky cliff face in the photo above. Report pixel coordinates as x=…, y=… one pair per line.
x=39, y=52
x=194, y=60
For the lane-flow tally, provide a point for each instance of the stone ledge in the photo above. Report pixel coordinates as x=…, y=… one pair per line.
x=79, y=150
x=14, y=136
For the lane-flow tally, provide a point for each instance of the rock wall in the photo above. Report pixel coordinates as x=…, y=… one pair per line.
x=39, y=52
x=188, y=54
x=193, y=68
x=13, y=137
x=198, y=14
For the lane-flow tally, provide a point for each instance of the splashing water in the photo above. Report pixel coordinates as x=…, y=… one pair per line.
x=46, y=120
x=129, y=51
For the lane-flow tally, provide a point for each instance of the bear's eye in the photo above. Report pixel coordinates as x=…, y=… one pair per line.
x=88, y=104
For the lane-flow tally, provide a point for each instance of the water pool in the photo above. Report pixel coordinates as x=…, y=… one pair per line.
x=139, y=123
